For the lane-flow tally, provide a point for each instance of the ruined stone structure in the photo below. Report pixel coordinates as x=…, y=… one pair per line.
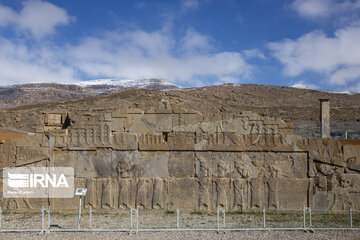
x=168, y=158
x=325, y=118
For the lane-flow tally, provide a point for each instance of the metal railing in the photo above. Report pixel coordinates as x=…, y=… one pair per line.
x=220, y=224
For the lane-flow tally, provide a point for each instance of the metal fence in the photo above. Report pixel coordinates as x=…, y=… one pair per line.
x=309, y=222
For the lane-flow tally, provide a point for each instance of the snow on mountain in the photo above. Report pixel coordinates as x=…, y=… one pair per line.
x=126, y=83
x=34, y=93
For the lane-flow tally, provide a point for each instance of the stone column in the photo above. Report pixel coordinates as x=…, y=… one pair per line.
x=325, y=117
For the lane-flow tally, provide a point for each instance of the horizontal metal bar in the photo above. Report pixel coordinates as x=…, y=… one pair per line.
x=89, y=230
x=20, y=230
x=176, y=229
x=172, y=229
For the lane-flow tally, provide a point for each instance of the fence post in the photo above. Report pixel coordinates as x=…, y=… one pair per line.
x=90, y=216
x=310, y=216
x=79, y=214
x=42, y=218
x=137, y=219
x=264, y=215
x=351, y=223
x=48, y=211
x=224, y=216
x=177, y=218
x=131, y=219
x=218, y=220
x=0, y=218
x=304, y=218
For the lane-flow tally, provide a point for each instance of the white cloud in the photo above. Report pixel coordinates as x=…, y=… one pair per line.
x=7, y=16
x=345, y=75
x=254, y=53
x=304, y=85
x=323, y=8
x=20, y=64
x=141, y=54
x=190, y=4
x=337, y=57
x=37, y=17
x=129, y=54
x=194, y=41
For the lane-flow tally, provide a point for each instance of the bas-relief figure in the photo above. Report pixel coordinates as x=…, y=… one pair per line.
x=166, y=159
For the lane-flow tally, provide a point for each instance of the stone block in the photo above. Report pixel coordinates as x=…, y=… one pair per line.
x=7, y=154
x=34, y=140
x=326, y=150
x=181, y=141
x=118, y=124
x=291, y=193
x=286, y=165
x=63, y=158
x=124, y=141
x=161, y=122
x=152, y=142
x=93, y=164
x=28, y=155
x=183, y=194
x=181, y=164
x=139, y=164
x=137, y=124
x=186, y=122
x=216, y=164
x=352, y=157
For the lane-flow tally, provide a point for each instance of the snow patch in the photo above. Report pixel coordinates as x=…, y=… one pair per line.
x=126, y=83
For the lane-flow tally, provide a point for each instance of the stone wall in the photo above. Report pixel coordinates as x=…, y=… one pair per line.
x=175, y=158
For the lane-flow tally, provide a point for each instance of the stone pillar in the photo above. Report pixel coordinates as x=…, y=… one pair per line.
x=325, y=117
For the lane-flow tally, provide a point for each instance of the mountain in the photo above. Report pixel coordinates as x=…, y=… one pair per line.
x=35, y=93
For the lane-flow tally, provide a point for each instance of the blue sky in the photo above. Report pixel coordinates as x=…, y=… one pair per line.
x=303, y=43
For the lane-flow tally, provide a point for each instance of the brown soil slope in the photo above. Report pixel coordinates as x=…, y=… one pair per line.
x=290, y=104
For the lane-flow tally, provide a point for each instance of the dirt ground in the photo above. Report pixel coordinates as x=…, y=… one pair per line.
x=160, y=219
x=350, y=235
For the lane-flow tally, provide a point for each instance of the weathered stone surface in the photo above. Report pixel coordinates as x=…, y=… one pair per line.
x=187, y=197
x=336, y=193
x=326, y=150
x=68, y=203
x=181, y=164
x=215, y=164
x=285, y=165
x=140, y=164
x=181, y=141
x=168, y=158
x=7, y=154
x=33, y=140
x=93, y=164
x=28, y=155
x=291, y=194
x=61, y=158
x=124, y=141
x=352, y=157
x=186, y=122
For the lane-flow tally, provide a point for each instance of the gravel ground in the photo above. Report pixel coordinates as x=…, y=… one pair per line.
x=160, y=219
x=189, y=235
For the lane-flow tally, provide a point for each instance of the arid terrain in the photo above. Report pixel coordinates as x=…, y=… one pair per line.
x=159, y=219
x=289, y=104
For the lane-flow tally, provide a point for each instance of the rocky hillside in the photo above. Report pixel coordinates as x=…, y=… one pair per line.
x=289, y=104
x=35, y=93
